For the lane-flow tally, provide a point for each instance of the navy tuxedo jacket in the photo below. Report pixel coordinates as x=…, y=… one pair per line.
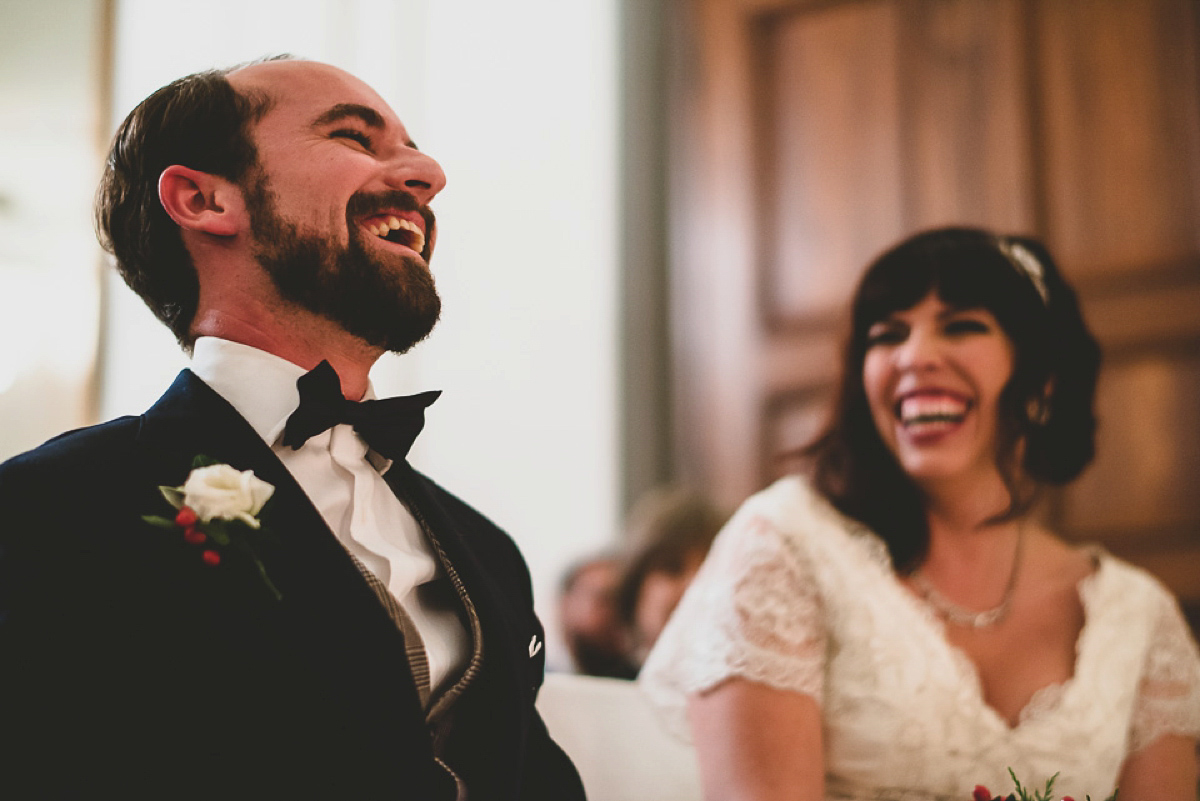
x=129, y=668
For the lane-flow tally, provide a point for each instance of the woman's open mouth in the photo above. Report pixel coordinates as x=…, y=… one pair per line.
x=928, y=412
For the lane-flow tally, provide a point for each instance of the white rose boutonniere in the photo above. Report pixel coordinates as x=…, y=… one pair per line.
x=219, y=507
x=223, y=492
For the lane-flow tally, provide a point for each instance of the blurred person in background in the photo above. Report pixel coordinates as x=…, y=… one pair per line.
x=596, y=639
x=668, y=534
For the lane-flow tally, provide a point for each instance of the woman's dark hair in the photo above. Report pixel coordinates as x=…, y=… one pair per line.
x=200, y=122
x=1047, y=423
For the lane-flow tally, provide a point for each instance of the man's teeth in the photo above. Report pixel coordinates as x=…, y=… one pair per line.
x=393, y=223
x=917, y=410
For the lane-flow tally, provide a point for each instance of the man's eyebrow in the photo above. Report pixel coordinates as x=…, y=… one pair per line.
x=368, y=115
x=341, y=111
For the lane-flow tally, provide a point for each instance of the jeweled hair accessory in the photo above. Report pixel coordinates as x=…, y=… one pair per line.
x=1027, y=263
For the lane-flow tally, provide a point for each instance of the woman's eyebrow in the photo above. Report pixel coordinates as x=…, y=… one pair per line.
x=951, y=311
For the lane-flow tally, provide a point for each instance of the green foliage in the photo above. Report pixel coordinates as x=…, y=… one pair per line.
x=1026, y=794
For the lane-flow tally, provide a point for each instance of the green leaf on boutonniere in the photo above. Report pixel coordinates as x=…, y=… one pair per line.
x=203, y=461
x=218, y=531
x=262, y=570
x=161, y=522
x=174, y=495
x=265, y=533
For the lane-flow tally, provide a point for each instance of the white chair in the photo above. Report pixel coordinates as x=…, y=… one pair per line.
x=622, y=751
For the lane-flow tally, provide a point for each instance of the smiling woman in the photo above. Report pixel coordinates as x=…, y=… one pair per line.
x=900, y=625
x=950, y=314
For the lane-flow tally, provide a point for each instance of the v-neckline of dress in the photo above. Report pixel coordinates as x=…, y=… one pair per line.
x=1047, y=697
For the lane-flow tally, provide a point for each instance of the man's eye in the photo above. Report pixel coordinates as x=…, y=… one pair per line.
x=350, y=133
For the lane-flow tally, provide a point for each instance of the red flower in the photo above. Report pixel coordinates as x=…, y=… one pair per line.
x=211, y=558
x=186, y=517
x=194, y=537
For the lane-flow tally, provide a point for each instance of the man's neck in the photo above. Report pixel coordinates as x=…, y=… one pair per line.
x=303, y=342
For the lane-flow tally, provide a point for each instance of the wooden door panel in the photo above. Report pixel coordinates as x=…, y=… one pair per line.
x=965, y=121
x=1118, y=98
x=1148, y=450
x=831, y=184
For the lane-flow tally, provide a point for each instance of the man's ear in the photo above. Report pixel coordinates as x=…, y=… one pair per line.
x=202, y=202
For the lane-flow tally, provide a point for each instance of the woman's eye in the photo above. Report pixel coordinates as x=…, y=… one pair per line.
x=350, y=133
x=885, y=335
x=967, y=325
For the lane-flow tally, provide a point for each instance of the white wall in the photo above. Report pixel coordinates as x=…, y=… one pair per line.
x=49, y=259
x=518, y=102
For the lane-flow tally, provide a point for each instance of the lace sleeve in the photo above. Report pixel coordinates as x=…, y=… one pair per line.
x=753, y=611
x=1168, y=699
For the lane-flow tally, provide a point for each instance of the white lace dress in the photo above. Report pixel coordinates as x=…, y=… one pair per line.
x=796, y=596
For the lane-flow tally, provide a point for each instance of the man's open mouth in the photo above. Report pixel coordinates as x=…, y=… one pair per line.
x=396, y=229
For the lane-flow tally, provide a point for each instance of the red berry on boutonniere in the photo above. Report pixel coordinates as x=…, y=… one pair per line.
x=981, y=793
x=211, y=558
x=186, y=517
x=194, y=537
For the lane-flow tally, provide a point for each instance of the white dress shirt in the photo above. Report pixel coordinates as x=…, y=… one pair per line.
x=344, y=480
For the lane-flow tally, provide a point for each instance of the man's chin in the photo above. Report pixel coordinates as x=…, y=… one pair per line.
x=385, y=297
x=398, y=331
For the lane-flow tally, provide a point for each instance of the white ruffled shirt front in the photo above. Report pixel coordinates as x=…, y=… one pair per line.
x=344, y=480
x=796, y=596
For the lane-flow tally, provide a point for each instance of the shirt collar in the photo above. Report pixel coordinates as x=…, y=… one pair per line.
x=259, y=385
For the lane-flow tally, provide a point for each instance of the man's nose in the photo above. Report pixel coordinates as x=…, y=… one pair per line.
x=416, y=173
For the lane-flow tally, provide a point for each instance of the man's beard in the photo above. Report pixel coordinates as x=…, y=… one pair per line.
x=391, y=306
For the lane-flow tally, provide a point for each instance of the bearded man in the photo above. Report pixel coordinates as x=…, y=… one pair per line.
x=247, y=591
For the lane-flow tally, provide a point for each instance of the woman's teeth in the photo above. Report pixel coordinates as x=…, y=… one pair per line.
x=391, y=223
x=923, y=410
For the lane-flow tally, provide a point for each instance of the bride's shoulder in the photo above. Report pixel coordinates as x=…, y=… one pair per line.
x=1091, y=569
x=794, y=512
x=791, y=503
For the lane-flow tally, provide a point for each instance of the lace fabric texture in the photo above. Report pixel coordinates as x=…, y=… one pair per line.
x=796, y=596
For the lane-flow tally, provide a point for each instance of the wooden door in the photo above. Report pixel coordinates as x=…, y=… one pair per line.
x=808, y=136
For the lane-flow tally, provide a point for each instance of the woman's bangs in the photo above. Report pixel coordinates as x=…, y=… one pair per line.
x=889, y=288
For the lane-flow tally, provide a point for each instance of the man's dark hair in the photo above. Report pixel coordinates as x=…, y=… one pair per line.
x=200, y=122
x=1046, y=427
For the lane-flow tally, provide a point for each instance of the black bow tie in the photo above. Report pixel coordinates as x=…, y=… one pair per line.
x=389, y=426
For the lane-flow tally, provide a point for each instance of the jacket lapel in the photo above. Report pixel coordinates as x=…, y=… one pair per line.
x=330, y=612
x=500, y=692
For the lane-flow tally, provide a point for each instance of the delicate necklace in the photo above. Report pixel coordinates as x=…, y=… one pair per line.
x=953, y=613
